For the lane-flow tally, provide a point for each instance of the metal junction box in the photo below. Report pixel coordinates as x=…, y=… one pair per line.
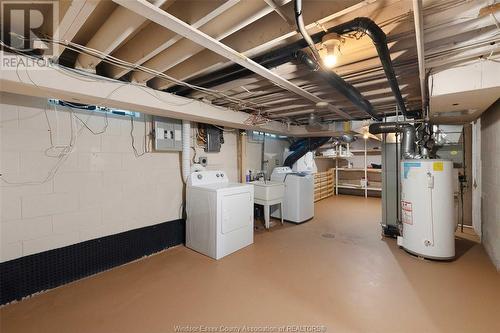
x=214, y=139
x=168, y=134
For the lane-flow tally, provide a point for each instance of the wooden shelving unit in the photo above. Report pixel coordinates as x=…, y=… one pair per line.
x=351, y=178
x=324, y=184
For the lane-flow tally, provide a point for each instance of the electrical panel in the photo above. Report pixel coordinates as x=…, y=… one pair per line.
x=214, y=139
x=168, y=134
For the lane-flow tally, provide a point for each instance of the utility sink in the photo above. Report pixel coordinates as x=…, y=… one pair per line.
x=268, y=191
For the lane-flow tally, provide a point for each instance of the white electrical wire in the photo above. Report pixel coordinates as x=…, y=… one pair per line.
x=63, y=153
x=123, y=64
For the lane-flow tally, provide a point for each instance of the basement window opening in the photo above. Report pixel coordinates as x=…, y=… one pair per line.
x=94, y=108
x=259, y=136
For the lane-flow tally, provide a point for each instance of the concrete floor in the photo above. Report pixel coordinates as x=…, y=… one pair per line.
x=353, y=282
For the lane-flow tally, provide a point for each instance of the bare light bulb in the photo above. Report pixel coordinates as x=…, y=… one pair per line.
x=330, y=60
x=365, y=136
x=330, y=47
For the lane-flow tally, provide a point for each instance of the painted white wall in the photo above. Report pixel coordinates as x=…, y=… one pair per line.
x=274, y=147
x=490, y=179
x=253, y=156
x=101, y=189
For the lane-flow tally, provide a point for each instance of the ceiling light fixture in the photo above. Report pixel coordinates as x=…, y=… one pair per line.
x=330, y=49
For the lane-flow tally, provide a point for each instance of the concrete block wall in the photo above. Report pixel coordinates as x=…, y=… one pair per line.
x=100, y=189
x=490, y=187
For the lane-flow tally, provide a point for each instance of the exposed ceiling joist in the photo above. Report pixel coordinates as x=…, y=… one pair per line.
x=75, y=17
x=288, y=107
x=227, y=23
x=154, y=38
x=170, y=22
x=249, y=43
x=462, y=12
x=118, y=27
x=277, y=8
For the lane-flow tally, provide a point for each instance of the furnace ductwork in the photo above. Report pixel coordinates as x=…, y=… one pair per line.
x=346, y=89
x=408, y=131
x=301, y=147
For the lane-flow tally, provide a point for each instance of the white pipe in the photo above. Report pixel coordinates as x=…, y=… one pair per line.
x=419, y=35
x=186, y=149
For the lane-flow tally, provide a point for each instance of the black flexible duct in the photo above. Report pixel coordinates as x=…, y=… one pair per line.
x=301, y=147
x=295, y=145
x=287, y=53
x=370, y=28
x=346, y=89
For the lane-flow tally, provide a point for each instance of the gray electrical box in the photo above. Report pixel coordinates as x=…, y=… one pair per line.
x=213, y=137
x=168, y=134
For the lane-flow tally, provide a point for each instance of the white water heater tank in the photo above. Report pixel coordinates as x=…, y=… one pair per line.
x=427, y=208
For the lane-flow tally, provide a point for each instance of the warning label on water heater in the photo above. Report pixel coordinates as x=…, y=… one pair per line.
x=437, y=166
x=406, y=212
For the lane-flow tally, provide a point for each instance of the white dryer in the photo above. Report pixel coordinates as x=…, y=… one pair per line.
x=299, y=194
x=219, y=214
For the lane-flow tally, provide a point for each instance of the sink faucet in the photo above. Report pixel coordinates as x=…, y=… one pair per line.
x=263, y=175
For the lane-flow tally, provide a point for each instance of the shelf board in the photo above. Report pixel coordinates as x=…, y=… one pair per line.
x=361, y=169
x=331, y=157
x=374, y=189
x=368, y=151
x=356, y=187
x=349, y=186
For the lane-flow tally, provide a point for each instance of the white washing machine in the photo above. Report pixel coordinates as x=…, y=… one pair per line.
x=299, y=194
x=219, y=214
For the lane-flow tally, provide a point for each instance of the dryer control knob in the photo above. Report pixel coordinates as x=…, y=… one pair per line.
x=200, y=176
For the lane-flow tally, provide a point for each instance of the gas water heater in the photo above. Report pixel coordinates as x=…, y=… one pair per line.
x=427, y=208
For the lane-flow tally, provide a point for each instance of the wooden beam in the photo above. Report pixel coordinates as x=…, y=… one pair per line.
x=172, y=23
x=25, y=79
x=154, y=38
x=117, y=28
x=232, y=20
x=75, y=17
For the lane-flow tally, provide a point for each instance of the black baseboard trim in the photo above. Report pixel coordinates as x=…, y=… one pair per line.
x=46, y=270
